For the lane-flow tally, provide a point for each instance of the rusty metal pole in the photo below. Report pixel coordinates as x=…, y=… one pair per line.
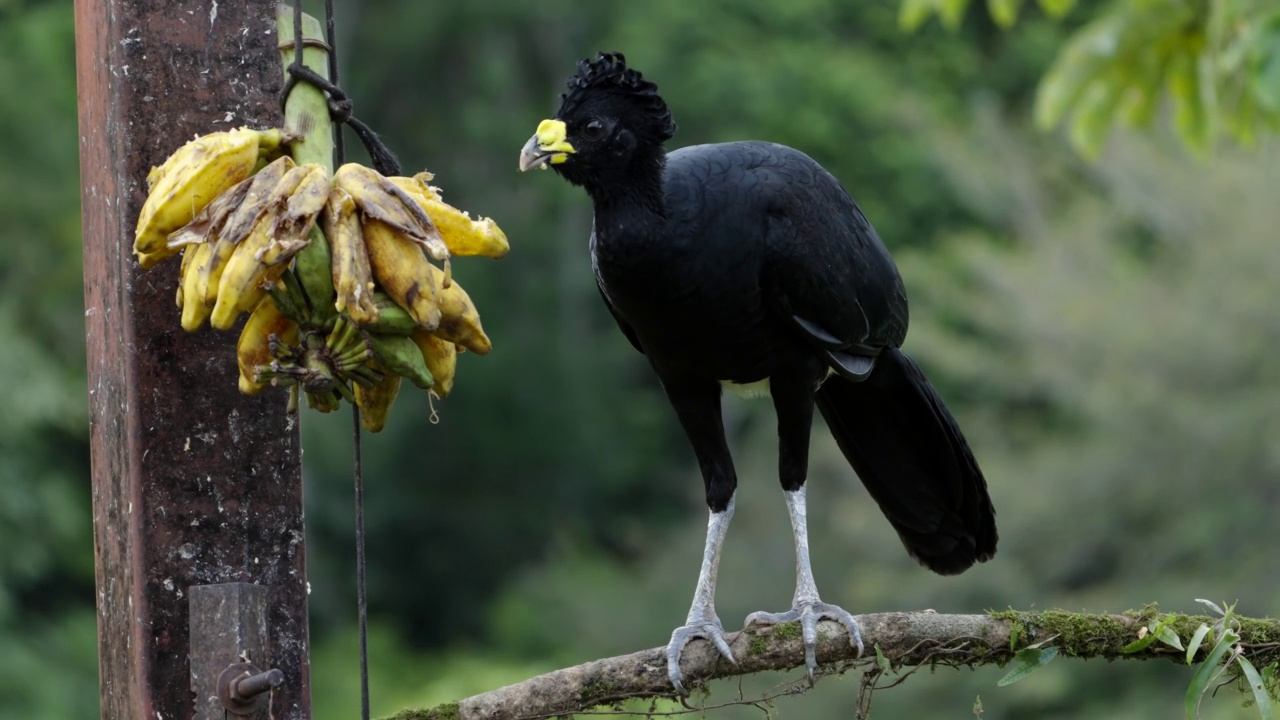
x=193, y=484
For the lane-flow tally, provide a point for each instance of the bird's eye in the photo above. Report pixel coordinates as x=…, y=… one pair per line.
x=593, y=130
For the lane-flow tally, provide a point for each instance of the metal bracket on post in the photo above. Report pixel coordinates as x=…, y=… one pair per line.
x=229, y=646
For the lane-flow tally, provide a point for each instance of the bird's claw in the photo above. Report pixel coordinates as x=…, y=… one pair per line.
x=808, y=614
x=708, y=630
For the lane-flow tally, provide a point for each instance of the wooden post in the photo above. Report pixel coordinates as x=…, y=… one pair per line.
x=193, y=483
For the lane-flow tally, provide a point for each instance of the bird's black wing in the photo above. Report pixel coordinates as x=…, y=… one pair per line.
x=825, y=269
x=622, y=324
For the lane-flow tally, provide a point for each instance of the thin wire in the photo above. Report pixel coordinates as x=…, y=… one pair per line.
x=331, y=36
x=362, y=598
x=362, y=595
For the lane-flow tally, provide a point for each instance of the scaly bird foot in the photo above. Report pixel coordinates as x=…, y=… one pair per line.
x=809, y=613
x=709, y=629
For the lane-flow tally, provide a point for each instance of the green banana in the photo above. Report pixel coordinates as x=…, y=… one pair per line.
x=401, y=356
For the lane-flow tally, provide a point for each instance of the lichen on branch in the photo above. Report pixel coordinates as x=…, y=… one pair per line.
x=905, y=640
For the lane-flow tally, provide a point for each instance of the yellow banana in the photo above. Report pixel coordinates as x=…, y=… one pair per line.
x=254, y=347
x=258, y=194
x=400, y=356
x=188, y=252
x=375, y=400
x=189, y=180
x=244, y=279
x=403, y=271
x=352, y=274
x=459, y=318
x=207, y=223
x=462, y=235
x=441, y=358
x=380, y=199
x=194, y=311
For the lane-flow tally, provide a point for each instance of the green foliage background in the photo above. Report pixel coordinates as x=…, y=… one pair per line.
x=1105, y=331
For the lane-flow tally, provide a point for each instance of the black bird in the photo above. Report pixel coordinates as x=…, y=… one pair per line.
x=747, y=265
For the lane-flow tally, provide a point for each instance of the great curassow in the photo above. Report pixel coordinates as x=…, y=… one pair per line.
x=747, y=265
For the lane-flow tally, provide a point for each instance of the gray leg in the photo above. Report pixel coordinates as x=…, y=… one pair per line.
x=806, y=606
x=702, y=621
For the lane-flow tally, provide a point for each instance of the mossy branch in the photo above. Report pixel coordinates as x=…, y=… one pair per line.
x=905, y=639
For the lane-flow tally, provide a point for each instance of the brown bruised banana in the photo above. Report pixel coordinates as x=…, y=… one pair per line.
x=400, y=355
x=258, y=195
x=351, y=271
x=441, y=358
x=375, y=400
x=190, y=179
x=194, y=311
x=261, y=258
x=459, y=318
x=207, y=223
x=380, y=199
x=403, y=271
x=291, y=230
x=463, y=236
x=254, y=347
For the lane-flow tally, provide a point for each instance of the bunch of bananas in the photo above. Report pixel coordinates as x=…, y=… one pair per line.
x=335, y=272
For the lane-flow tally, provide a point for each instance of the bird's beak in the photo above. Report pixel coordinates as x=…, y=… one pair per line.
x=547, y=146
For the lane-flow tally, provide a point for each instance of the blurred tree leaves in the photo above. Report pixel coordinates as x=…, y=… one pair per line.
x=47, y=622
x=1216, y=61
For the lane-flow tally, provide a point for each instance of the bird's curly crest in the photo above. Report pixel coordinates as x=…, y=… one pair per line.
x=609, y=73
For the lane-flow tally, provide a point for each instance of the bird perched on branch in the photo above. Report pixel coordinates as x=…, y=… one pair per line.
x=746, y=265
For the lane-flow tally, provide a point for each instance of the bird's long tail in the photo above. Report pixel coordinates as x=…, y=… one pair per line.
x=910, y=454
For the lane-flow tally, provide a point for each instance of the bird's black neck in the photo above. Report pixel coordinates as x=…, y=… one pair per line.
x=637, y=191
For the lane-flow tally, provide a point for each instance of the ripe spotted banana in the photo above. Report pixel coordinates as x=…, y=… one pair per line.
x=254, y=347
x=189, y=180
x=261, y=190
x=380, y=199
x=351, y=272
x=292, y=228
x=403, y=271
x=441, y=358
x=262, y=257
x=462, y=235
x=194, y=310
x=459, y=318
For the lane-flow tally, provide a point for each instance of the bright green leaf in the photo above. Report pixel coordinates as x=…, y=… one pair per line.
x=1258, y=687
x=1196, y=639
x=1082, y=60
x=1004, y=12
x=951, y=12
x=1169, y=637
x=1057, y=9
x=1015, y=634
x=882, y=661
x=1208, y=670
x=1190, y=115
x=1092, y=121
x=913, y=13
x=1029, y=661
x=1145, y=641
x=1265, y=82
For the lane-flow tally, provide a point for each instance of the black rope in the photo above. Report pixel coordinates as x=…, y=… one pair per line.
x=340, y=105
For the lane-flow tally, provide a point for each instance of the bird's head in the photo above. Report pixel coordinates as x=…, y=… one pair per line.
x=611, y=121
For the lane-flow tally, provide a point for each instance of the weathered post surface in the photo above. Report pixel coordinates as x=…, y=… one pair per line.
x=193, y=483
